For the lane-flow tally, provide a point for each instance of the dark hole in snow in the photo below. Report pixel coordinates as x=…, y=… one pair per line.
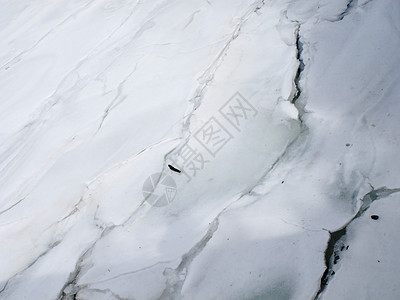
x=336, y=259
x=174, y=169
x=374, y=217
x=347, y=145
x=283, y=181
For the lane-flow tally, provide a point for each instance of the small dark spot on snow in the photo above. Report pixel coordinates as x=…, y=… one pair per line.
x=174, y=169
x=283, y=182
x=379, y=260
x=333, y=273
x=374, y=217
x=337, y=257
x=347, y=145
x=347, y=247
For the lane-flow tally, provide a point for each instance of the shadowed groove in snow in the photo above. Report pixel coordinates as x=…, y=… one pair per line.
x=332, y=249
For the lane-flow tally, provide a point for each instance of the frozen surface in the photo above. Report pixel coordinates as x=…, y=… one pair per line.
x=281, y=116
x=373, y=269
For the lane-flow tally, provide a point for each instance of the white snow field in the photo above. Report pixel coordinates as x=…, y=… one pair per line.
x=199, y=149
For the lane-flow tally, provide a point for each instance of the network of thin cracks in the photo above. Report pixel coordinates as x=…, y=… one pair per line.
x=206, y=78
x=176, y=277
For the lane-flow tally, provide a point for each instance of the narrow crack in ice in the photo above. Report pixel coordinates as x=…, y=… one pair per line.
x=332, y=250
x=70, y=288
x=351, y=5
x=175, y=278
x=40, y=113
x=206, y=78
x=53, y=245
x=117, y=99
x=299, y=51
x=19, y=56
x=13, y=205
x=296, y=93
x=208, y=75
x=75, y=209
x=132, y=272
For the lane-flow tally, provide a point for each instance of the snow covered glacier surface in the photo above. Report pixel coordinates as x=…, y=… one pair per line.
x=282, y=116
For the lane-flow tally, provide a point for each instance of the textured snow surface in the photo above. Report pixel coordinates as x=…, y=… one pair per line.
x=282, y=116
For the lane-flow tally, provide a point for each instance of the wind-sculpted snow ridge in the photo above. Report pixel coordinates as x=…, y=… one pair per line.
x=199, y=149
